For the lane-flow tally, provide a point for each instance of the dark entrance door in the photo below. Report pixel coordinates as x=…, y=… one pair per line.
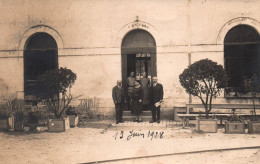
x=40, y=55
x=138, y=54
x=138, y=51
x=139, y=63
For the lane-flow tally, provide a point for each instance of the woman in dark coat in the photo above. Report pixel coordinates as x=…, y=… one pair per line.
x=137, y=101
x=145, y=85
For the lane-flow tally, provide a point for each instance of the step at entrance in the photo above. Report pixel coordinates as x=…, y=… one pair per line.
x=128, y=116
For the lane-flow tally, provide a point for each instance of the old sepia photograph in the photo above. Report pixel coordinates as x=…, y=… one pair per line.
x=130, y=81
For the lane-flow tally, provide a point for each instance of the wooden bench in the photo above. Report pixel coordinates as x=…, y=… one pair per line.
x=223, y=106
x=185, y=117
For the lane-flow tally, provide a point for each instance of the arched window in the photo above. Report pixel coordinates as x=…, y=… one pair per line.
x=242, y=54
x=40, y=55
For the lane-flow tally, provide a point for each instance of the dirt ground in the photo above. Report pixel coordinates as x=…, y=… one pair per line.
x=91, y=143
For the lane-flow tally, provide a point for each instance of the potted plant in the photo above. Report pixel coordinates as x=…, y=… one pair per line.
x=19, y=121
x=17, y=106
x=8, y=110
x=204, y=79
x=253, y=124
x=54, y=88
x=234, y=124
x=251, y=85
x=208, y=125
x=73, y=116
x=13, y=110
x=33, y=119
x=6, y=118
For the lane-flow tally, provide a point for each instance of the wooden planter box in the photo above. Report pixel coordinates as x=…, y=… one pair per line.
x=6, y=124
x=58, y=125
x=74, y=120
x=206, y=125
x=234, y=127
x=18, y=126
x=253, y=126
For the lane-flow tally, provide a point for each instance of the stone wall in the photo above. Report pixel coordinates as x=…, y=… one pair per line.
x=89, y=35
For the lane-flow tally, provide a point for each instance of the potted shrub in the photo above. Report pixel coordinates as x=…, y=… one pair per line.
x=73, y=116
x=17, y=106
x=204, y=79
x=54, y=88
x=251, y=85
x=33, y=120
x=208, y=125
x=253, y=124
x=19, y=121
x=6, y=119
x=8, y=110
x=13, y=110
x=234, y=124
x=37, y=116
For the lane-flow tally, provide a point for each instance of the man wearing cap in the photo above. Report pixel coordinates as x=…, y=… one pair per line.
x=118, y=95
x=156, y=97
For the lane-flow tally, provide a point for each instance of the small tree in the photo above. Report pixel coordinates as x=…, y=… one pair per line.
x=251, y=85
x=204, y=79
x=54, y=87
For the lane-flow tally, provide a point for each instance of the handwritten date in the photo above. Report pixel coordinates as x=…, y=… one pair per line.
x=133, y=134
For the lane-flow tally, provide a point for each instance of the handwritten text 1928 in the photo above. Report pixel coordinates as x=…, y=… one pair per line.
x=134, y=134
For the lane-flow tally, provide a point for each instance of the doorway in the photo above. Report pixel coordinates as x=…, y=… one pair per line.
x=138, y=54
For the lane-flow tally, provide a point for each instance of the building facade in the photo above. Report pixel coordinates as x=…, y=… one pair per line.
x=102, y=41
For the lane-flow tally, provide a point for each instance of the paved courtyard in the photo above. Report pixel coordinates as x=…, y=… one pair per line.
x=98, y=140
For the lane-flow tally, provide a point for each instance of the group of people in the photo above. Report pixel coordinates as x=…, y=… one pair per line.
x=141, y=94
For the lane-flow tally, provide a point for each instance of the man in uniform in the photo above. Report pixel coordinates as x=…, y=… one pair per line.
x=156, y=97
x=118, y=95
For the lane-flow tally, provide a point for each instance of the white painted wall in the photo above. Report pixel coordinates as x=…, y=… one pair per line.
x=89, y=35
